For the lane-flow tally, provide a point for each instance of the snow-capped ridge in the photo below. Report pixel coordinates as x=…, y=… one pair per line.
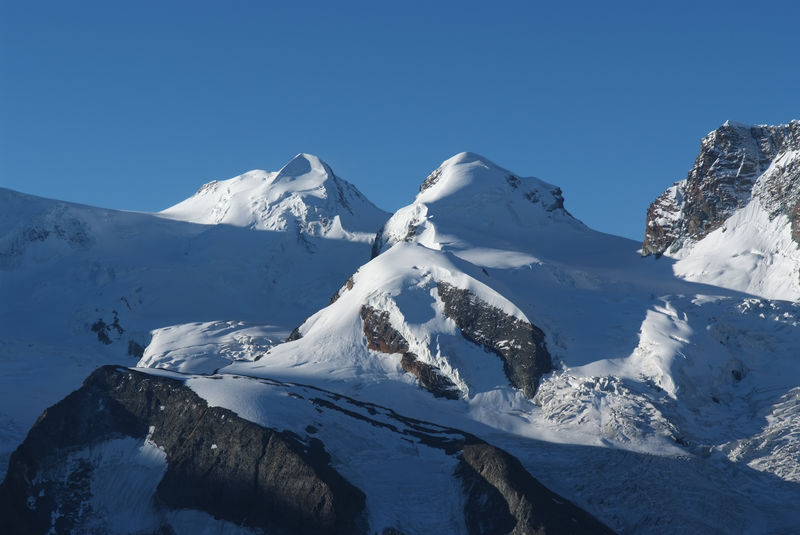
x=735, y=124
x=304, y=164
x=304, y=195
x=470, y=174
x=471, y=203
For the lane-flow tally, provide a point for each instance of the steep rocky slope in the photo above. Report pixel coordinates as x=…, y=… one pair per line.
x=735, y=220
x=736, y=163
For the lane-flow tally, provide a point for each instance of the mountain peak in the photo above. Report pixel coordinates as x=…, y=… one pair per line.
x=473, y=179
x=305, y=194
x=470, y=200
x=725, y=177
x=304, y=165
x=459, y=172
x=466, y=157
x=734, y=221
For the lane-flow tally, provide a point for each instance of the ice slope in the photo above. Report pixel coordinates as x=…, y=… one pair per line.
x=409, y=483
x=84, y=286
x=648, y=362
x=317, y=462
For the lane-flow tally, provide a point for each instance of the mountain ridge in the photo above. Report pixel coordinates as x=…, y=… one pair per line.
x=487, y=308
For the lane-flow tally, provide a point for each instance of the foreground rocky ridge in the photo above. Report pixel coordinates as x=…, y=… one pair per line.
x=214, y=462
x=232, y=469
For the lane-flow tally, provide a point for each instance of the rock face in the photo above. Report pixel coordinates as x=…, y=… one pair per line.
x=736, y=163
x=518, y=343
x=381, y=336
x=502, y=497
x=216, y=462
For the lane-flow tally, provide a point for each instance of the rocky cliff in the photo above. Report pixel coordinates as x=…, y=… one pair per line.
x=518, y=343
x=736, y=164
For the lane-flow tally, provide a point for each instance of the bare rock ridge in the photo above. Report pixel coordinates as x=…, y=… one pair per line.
x=518, y=343
x=495, y=477
x=381, y=336
x=735, y=164
x=216, y=462
x=269, y=480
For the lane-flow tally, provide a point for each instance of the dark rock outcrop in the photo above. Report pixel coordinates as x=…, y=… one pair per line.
x=518, y=343
x=294, y=335
x=348, y=285
x=796, y=222
x=104, y=330
x=431, y=179
x=381, y=336
x=502, y=497
x=724, y=178
x=217, y=462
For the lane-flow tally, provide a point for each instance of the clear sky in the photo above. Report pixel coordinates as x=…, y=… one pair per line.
x=134, y=105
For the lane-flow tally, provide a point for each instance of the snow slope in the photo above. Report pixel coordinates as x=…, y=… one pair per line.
x=753, y=251
x=86, y=286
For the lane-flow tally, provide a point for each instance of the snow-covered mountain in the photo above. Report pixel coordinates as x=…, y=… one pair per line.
x=735, y=220
x=468, y=204
x=85, y=286
x=493, y=347
x=305, y=197
x=480, y=287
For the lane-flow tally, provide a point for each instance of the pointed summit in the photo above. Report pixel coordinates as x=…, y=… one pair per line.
x=305, y=169
x=305, y=195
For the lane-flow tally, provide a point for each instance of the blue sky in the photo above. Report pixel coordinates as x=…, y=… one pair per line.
x=134, y=105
